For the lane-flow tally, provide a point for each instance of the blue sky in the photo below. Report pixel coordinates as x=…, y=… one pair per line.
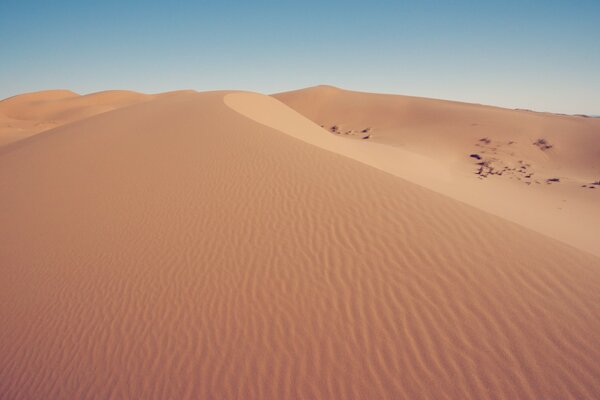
x=543, y=55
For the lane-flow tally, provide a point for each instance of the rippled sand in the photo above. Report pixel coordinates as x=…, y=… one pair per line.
x=176, y=248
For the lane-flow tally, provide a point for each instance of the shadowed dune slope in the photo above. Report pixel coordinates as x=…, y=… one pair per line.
x=177, y=249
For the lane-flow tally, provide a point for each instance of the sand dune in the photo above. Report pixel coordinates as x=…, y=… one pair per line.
x=535, y=169
x=28, y=114
x=190, y=246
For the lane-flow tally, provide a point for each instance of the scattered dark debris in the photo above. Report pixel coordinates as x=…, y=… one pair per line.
x=543, y=144
x=494, y=158
x=365, y=133
x=487, y=168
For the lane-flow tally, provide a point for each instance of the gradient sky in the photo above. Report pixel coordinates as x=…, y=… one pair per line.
x=542, y=55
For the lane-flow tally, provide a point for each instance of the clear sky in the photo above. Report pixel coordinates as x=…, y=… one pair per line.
x=542, y=55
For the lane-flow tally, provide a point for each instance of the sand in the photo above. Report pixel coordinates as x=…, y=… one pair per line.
x=440, y=145
x=209, y=245
x=28, y=114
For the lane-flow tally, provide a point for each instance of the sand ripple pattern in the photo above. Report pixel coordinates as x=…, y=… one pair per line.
x=176, y=249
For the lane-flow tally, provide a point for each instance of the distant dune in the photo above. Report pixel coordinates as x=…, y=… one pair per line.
x=31, y=113
x=221, y=245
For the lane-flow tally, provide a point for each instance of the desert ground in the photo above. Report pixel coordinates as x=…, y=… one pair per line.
x=313, y=244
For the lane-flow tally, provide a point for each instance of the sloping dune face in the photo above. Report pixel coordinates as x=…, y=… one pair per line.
x=27, y=114
x=539, y=170
x=178, y=249
x=450, y=130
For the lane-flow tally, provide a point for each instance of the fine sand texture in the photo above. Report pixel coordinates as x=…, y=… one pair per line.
x=539, y=170
x=202, y=246
x=27, y=114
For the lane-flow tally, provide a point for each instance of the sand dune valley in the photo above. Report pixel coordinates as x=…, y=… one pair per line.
x=313, y=244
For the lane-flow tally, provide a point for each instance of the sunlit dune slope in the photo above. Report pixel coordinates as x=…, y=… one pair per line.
x=452, y=130
x=179, y=249
x=539, y=170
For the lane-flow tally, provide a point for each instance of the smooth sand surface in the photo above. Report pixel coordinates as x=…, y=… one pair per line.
x=196, y=246
x=506, y=162
x=31, y=113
